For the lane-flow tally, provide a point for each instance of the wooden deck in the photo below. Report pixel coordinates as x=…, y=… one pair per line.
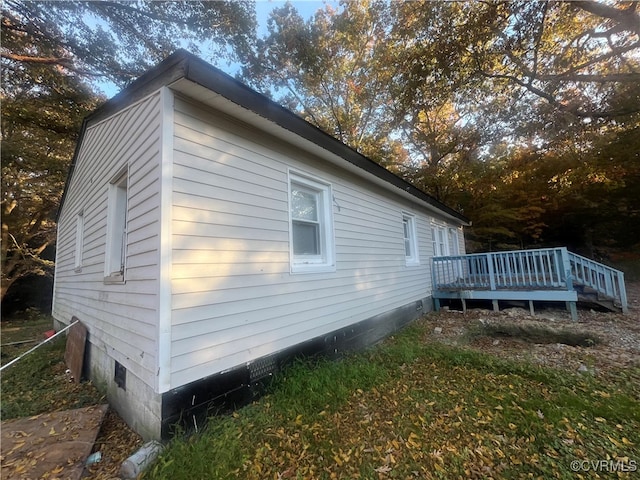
x=550, y=275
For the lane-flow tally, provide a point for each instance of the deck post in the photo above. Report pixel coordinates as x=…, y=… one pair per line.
x=566, y=266
x=436, y=304
x=623, y=293
x=496, y=307
x=571, y=306
x=492, y=278
x=531, y=310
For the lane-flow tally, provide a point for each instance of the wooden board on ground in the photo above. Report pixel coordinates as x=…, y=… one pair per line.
x=51, y=445
x=74, y=353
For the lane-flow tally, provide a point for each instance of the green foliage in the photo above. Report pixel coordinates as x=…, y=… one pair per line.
x=41, y=116
x=409, y=409
x=120, y=40
x=334, y=70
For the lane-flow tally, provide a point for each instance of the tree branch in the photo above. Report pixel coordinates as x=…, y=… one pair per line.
x=561, y=106
x=61, y=61
x=627, y=17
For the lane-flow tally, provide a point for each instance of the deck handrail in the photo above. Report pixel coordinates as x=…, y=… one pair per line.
x=599, y=277
x=545, y=268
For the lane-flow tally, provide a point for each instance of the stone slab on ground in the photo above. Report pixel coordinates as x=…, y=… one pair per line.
x=51, y=445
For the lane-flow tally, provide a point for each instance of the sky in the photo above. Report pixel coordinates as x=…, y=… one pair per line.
x=306, y=9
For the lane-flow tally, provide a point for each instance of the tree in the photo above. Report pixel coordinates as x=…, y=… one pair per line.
x=52, y=53
x=572, y=55
x=39, y=126
x=596, y=192
x=335, y=71
x=120, y=40
x=527, y=90
x=435, y=92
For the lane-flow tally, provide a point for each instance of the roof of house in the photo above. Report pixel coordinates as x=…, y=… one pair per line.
x=183, y=65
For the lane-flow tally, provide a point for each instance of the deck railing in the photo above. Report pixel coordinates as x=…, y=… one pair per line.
x=540, y=269
x=543, y=268
x=599, y=277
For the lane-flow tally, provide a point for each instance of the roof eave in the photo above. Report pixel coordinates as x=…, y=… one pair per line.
x=182, y=64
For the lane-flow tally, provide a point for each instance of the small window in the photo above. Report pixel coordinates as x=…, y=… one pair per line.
x=311, y=225
x=410, y=240
x=440, y=244
x=454, y=241
x=77, y=263
x=116, y=230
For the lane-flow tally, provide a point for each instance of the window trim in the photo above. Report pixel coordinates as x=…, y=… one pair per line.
x=454, y=240
x=79, y=242
x=325, y=262
x=437, y=229
x=118, y=182
x=414, y=258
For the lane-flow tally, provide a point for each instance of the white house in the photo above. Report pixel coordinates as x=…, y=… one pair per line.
x=207, y=234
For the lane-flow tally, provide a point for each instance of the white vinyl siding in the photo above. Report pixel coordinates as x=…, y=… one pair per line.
x=232, y=294
x=121, y=317
x=235, y=295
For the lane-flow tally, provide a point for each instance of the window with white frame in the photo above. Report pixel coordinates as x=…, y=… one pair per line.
x=440, y=244
x=116, y=252
x=77, y=263
x=410, y=239
x=311, y=232
x=454, y=241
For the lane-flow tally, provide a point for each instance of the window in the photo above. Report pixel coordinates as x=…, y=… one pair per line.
x=410, y=239
x=116, y=230
x=440, y=244
x=311, y=236
x=454, y=240
x=77, y=263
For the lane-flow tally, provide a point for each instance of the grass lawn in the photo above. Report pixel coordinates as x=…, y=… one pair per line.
x=38, y=382
x=412, y=409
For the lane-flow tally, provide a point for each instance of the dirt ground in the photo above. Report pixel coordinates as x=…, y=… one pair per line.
x=619, y=347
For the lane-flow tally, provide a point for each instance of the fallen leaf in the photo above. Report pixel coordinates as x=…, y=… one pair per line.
x=383, y=469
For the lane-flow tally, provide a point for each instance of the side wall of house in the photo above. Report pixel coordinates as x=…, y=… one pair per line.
x=234, y=298
x=121, y=317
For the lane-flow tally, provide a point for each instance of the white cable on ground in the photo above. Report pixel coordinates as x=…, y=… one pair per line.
x=37, y=346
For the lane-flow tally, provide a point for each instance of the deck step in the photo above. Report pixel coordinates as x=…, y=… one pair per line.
x=589, y=295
